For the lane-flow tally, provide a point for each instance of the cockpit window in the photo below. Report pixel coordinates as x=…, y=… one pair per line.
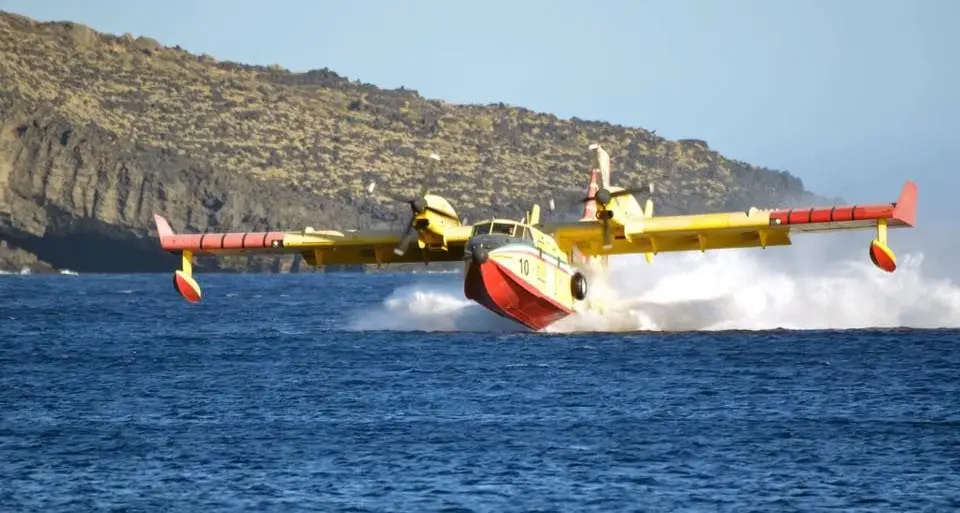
x=504, y=228
x=513, y=229
x=481, y=229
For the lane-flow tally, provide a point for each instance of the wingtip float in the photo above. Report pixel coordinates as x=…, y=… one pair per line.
x=188, y=244
x=186, y=286
x=530, y=271
x=904, y=214
x=183, y=280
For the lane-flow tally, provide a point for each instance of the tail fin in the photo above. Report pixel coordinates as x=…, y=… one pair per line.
x=601, y=171
x=601, y=163
x=590, y=207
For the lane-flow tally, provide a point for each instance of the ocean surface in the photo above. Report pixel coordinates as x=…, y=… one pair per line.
x=336, y=393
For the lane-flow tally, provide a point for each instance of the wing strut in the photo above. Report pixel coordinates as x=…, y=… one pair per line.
x=880, y=254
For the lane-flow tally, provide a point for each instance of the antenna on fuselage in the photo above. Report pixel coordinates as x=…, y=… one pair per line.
x=532, y=217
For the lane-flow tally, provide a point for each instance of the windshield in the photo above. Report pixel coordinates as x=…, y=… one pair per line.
x=524, y=233
x=504, y=228
x=513, y=229
x=481, y=229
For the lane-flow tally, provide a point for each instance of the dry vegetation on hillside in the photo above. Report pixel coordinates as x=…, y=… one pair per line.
x=317, y=134
x=327, y=134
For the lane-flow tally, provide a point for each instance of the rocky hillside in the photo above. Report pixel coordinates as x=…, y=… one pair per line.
x=99, y=131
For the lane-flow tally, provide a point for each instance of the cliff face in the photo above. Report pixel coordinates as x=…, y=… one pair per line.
x=78, y=197
x=98, y=132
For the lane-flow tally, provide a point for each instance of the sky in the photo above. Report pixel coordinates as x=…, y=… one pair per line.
x=853, y=96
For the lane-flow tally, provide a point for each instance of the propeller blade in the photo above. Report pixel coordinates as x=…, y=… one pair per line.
x=625, y=192
x=607, y=236
x=407, y=239
x=395, y=197
x=434, y=161
x=604, y=196
x=401, y=199
x=441, y=213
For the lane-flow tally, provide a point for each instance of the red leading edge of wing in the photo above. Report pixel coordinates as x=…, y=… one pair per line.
x=901, y=213
x=203, y=242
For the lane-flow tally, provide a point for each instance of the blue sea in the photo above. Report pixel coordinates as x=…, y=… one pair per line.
x=286, y=393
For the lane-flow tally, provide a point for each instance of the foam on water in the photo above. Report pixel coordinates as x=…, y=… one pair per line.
x=433, y=307
x=812, y=285
x=737, y=290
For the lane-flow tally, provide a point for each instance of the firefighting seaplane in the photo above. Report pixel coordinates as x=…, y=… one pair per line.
x=533, y=272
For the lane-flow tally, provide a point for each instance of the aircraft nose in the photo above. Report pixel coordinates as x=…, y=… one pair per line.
x=480, y=254
x=476, y=251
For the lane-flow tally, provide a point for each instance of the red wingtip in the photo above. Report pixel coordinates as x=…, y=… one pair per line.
x=906, y=208
x=163, y=226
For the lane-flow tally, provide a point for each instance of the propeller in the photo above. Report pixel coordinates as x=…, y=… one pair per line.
x=418, y=205
x=603, y=197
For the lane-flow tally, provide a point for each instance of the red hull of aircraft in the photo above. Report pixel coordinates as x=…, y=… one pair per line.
x=496, y=288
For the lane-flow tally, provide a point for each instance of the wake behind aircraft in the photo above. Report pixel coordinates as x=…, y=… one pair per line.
x=535, y=273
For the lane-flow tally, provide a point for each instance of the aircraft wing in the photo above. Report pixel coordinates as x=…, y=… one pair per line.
x=318, y=247
x=755, y=228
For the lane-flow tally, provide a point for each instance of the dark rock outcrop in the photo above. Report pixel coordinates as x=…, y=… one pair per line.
x=78, y=197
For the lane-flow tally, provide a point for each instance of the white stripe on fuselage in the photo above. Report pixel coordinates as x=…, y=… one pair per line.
x=534, y=252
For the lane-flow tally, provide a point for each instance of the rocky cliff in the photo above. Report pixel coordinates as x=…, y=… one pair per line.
x=98, y=132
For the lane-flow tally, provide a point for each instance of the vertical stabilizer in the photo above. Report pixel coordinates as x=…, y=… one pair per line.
x=599, y=177
x=601, y=163
x=590, y=207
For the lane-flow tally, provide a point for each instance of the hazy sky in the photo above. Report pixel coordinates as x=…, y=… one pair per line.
x=853, y=96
